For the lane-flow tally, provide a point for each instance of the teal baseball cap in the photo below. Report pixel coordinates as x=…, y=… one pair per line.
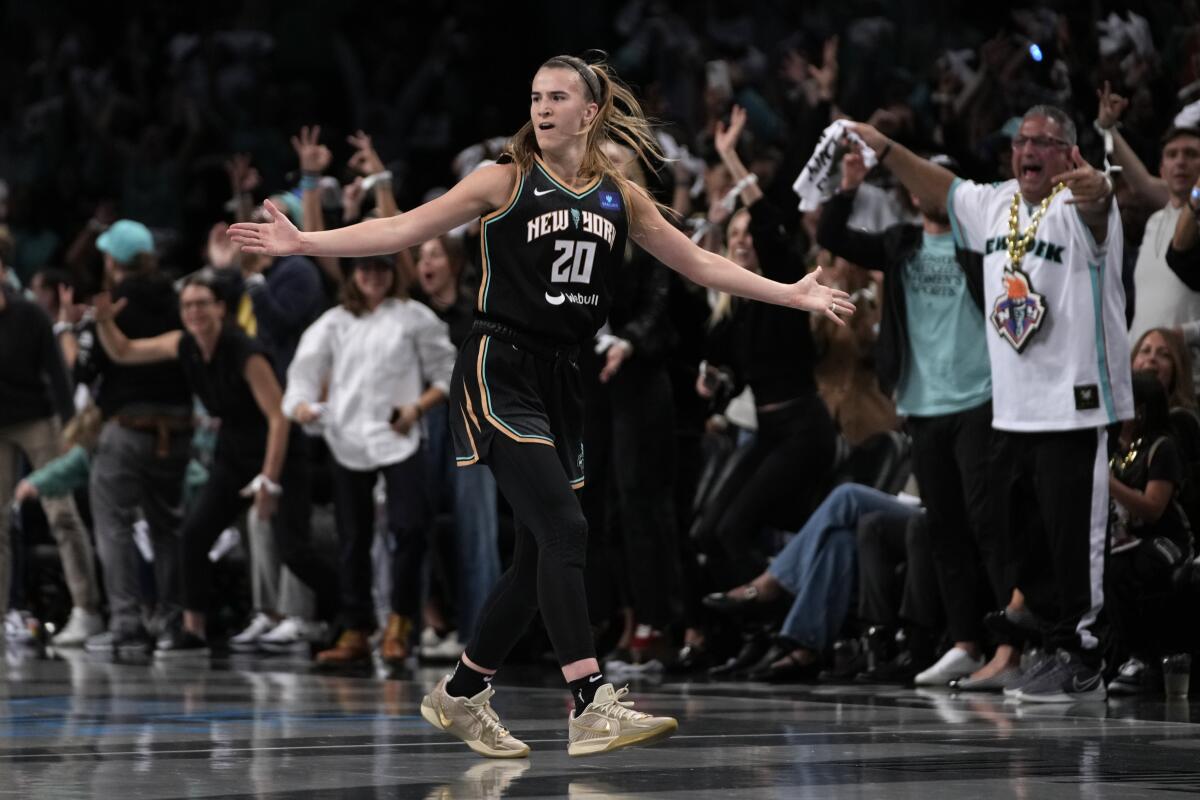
x=125, y=240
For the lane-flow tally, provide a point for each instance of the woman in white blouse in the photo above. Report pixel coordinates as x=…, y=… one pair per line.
x=384, y=360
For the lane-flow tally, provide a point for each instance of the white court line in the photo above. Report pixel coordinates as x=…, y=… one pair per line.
x=375, y=745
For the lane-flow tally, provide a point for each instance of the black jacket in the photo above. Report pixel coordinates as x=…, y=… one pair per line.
x=887, y=252
x=33, y=380
x=767, y=346
x=153, y=309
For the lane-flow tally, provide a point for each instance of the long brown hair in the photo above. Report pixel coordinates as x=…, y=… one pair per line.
x=1181, y=392
x=353, y=300
x=620, y=119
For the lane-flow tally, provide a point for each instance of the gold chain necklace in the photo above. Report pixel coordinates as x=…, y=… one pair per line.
x=1019, y=243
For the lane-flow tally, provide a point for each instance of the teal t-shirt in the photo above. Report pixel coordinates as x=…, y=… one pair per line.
x=946, y=367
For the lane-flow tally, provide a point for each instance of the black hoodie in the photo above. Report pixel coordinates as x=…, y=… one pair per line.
x=153, y=308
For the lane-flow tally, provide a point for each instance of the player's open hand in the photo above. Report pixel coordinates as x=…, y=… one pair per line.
x=279, y=237
x=812, y=295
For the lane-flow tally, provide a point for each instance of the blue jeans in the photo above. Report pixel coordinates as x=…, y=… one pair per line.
x=472, y=491
x=819, y=566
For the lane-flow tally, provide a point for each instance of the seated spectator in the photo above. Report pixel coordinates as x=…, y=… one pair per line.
x=816, y=571
x=1150, y=539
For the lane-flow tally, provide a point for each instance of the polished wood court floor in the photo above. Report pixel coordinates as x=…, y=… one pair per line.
x=77, y=727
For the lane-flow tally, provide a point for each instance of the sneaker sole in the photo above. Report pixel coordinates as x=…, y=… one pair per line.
x=598, y=746
x=285, y=648
x=1095, y=696
x=477, y=746
x=182, y=655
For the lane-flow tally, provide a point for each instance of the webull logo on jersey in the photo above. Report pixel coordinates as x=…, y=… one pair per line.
x=564, y=219
x=1019, y=312
x=574, y=298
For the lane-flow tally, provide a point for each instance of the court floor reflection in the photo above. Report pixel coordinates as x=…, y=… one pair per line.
x=75, y=727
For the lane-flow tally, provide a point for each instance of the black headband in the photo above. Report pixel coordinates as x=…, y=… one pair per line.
x=589, y=78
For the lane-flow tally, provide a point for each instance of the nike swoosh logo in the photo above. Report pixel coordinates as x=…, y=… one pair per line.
x=441, y=715
x=603, y=730
x=540, y=192
x=1086, y=686
x=555, y=299
x=594, y=678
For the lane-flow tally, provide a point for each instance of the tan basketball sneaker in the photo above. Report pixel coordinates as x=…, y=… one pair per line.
x=473, y=720
x=609, y=723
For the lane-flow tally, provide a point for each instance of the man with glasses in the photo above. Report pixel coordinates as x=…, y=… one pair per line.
x=1050, y=245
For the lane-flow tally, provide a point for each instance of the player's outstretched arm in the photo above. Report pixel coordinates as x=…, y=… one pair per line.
x=478, y=193
x=667, y=244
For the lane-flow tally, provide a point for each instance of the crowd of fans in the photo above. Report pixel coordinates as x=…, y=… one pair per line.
x=749, y=499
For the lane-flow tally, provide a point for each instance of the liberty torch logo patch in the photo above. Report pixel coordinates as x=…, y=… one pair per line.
x=1019, y=312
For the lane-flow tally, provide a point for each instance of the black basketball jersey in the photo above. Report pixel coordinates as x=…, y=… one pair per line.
x=548, y=255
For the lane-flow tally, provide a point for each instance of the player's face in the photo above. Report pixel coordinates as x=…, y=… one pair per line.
x=741, y=243
x=1180, y=166
x=1039, y=152
x=559, y=107
x=1154, y=355
x=200, y=311
x=433, y=268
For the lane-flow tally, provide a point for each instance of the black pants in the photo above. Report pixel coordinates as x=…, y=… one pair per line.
x=1142, y=609
x=887, y=594
x=773, y=484
x=408, y=525
x=1053, y=503
x=218, y=505
x=548, y=559
x=643, y=450
x=951, y=456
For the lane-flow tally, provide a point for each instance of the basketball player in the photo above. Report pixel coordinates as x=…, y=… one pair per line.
x=555, y=213
x=1050, y=243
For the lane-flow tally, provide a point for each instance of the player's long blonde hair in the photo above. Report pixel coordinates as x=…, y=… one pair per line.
x=619, y=120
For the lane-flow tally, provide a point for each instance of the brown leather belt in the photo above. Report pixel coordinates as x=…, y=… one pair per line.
x=164, y=425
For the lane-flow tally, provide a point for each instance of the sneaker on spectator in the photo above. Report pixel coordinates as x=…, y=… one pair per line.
x=247, y=641
x=440, y=649
x=1067, y=680
x=81, y=626
x=1134, y=677
x=1033, y=663
x=954, y=664
x=21, y=627
x=294, y=635
x=179, y=644
x=127, y=643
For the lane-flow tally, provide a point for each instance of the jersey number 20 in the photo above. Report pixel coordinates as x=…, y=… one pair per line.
x=574, y=263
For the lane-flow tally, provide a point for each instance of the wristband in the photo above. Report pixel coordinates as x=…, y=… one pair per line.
x=379, y=177
x=62, y=327
x=262, y=482
x=887, y=148
x=309, y=181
